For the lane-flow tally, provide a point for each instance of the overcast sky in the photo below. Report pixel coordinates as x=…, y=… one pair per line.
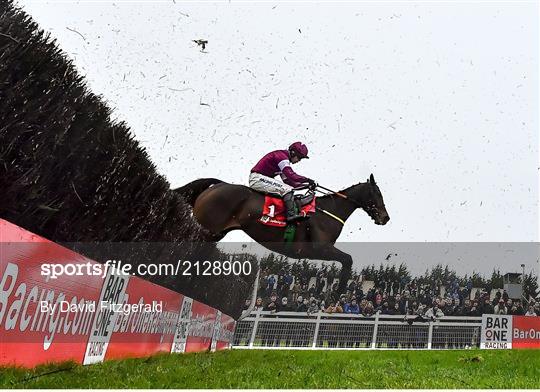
x=438, y=100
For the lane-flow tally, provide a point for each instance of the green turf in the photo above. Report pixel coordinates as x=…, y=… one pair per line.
x=294, y=369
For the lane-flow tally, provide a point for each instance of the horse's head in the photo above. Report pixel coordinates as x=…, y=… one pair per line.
x=373, y=203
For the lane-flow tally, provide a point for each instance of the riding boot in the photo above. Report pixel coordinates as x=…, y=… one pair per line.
x=288, y=198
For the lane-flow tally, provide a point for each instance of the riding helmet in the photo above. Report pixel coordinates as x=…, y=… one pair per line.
x=299, y=149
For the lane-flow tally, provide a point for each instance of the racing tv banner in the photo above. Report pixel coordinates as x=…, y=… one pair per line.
x=506, y=332
x=88, y=318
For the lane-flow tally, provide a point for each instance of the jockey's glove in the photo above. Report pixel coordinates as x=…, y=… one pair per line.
x=312, y=183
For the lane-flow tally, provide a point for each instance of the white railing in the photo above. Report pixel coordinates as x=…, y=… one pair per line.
x=292, y=330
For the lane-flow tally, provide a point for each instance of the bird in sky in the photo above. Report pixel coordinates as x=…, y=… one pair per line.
x=201, y=42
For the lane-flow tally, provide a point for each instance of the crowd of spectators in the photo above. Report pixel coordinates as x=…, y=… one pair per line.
x=285, y=292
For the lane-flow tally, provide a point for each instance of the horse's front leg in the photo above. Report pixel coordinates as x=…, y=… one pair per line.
x=331, y=253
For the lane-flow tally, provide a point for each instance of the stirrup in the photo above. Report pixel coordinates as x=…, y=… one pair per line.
x=296, y=218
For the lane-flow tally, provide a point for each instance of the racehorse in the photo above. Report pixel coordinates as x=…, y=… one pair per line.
x=220, y=207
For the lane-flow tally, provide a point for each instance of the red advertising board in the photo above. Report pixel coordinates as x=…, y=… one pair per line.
x=33, y=326
x=143, y=333
x=45, y=319
x=226, y=332
x=201, y=329
x=525, y=332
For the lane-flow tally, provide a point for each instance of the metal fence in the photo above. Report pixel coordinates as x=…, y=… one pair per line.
x=291, y=330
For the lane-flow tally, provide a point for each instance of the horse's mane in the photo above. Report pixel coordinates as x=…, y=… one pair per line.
x=329, y=195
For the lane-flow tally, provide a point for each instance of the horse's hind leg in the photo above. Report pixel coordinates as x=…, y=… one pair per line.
x=346, y=269
x=212, y=237
x=330, y=253
x=215, y=232
x=216, y=212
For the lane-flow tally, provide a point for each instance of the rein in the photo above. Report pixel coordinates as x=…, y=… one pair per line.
x=343, y=196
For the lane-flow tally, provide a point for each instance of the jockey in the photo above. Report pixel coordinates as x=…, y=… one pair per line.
x=279, y=162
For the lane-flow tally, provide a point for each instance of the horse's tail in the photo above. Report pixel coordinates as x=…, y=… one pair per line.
x=191, y=191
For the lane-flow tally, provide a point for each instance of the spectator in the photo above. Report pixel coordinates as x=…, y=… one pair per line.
x=331, y=308
x=401, y=302
x=444, y=305
x=287, y=282
x=413, y=309
x=475, y=309
x=498, y=297
x=465, y=310
x=296, y=289
x=352, y=286
x=406, y=297
x=299, y=301
x=453, y=309
x=469, y=286
x=313, y=306
x=285, y=307
x=385, y=308
x=434, y=312
x=258, y=304
x=273, y=305
x=303, y=306
x=363, y=304
x=352, y=307
x=319, y=276
x=342, y=301
x=394, y=310
x=368, y=311
x=279, y=285
x=338, y=308
x=500, y=308
x=320, y=287
x=421, y=311
x=514, y=311
x=270, y=282
x=378, y=300
x=520, y=308
x=530, y=311
x=486, y=307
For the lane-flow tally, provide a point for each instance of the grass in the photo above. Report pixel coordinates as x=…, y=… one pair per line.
x=294, y=369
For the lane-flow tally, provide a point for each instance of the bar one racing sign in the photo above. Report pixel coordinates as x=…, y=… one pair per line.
x=506, y=332
x=496, y=331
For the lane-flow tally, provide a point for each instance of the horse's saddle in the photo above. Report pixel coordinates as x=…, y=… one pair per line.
x=302, y=200
x=274, y=213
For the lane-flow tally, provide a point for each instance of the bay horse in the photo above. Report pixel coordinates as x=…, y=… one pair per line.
x=220, y=207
